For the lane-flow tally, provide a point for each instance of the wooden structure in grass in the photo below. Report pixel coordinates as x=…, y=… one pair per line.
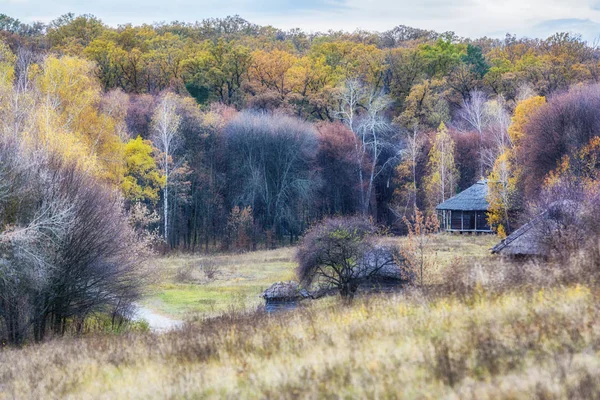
x=467, y=211
x=283, y=296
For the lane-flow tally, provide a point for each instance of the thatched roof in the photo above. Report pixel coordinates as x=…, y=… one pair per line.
x=530, y=239
x=471, y=199
x=525, y=241
x=284, y=291
x=370, y=265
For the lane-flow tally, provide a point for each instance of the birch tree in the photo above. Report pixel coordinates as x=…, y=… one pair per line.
x=498, y=124
x=349, y=98
x=440, y=183
x=362, y=110
x=165, y=127
x=406, y=173
x=375, y=133
x=474, y=113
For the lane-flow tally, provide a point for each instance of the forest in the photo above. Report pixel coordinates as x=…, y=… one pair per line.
x=223, y=135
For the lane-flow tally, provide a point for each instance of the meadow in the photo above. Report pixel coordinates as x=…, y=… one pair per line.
x=481, y=328
x=542, y=344
x=182, y=290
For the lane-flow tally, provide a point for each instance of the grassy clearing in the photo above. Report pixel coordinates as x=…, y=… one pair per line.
x=523, y=344
x=183, y=291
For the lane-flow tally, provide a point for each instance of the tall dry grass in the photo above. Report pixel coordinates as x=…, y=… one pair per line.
x=482, y=336
x=485, y=329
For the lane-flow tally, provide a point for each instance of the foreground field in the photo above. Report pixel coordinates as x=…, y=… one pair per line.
x=528, y=344
x=183, y=291
x=479, y=329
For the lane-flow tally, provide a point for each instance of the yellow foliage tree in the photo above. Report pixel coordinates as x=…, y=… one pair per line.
x=269, y=71
x=142, y=180
x=521, y=117
x=7, y=76
x=7, y=65
x=440, y=183
x=69, y=121
x=503, y=181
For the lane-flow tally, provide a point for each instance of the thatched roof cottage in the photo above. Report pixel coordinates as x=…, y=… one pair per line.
x=283, y=295
x=532, y=239
x=524, y=242
x=467, y=211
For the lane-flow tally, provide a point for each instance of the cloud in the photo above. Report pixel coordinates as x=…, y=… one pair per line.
x=585, y=27
x=472, y=18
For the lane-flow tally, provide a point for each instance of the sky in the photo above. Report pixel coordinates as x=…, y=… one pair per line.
x=468, y=18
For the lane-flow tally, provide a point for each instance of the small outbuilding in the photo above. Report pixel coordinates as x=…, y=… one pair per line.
x=532, y=240
x=467, y=211
x=525, y=242
x=283, y=296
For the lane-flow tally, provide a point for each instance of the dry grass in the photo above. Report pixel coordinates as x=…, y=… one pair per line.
x=490, y=330
x=536, y=344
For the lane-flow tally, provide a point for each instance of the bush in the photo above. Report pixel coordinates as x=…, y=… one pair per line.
x=560, y=128
x=66, y=249
x=341, y=253
x=210, y=268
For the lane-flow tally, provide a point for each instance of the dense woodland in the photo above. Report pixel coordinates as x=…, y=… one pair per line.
x=225, y=135
x=229, y=134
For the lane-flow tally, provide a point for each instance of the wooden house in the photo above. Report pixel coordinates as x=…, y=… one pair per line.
x=467, y=211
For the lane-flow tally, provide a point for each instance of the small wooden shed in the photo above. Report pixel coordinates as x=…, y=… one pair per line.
x=525, y=242
x=467, y=211
x=283, y=295
x=531, y=239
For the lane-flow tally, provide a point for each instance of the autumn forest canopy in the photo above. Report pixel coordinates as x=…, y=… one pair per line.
x=226, y=135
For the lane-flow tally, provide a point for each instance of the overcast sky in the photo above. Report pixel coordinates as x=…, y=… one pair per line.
x=472, y=18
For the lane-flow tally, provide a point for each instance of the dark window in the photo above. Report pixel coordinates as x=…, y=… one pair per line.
x=468, y=220
x=456, y=222
x=482, y=223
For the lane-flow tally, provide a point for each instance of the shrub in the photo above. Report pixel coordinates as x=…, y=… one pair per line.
x=340, y=253
x=210, y=268
x=67, y=251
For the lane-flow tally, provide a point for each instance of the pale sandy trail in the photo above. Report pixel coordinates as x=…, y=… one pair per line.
x=157, y=323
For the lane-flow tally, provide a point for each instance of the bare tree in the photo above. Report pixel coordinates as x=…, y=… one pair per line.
x=66, y=249
x=350, y=98
x=270, y=164
x=165, y=126
x=499, y=120
x=341, y=253
x=474, y=113
x=362, y=111
x=420, y=231
x=375, y=133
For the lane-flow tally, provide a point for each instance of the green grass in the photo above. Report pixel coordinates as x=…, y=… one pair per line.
x=241, y=278
x=239, y=281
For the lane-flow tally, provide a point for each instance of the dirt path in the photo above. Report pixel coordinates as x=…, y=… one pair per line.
x=157, y=323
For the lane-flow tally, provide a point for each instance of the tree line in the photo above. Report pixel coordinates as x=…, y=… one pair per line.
x=225, y=135
x=228, y=133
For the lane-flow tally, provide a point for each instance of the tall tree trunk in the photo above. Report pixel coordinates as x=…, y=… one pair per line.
x=166, y=198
